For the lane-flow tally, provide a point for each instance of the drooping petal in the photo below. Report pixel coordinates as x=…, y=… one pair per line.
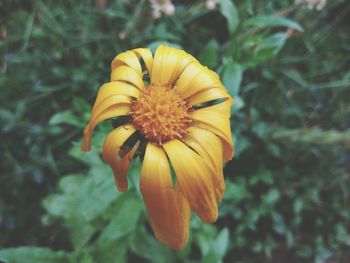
x=128, y=75
x=196, y=78
x=129, y=59
x=168, y=210
x=209, y=147
x=219, y=124
x=111, y=154
x=110, y=112
x=147, y=57
x=168, y=64
x=194, y=179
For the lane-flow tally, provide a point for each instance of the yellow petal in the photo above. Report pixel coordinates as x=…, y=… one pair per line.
x=219, y=124
x=209, y=147
x=168, y=64
x=168, y=210
x=128, y=75
x=147, y=57
x=114, y=100
x=222, y=108
x=207, y=95
x=194, y=79
x=116, y=88
x=113, y=111
x=194, y=179
x=129, y=59
x=111, y=154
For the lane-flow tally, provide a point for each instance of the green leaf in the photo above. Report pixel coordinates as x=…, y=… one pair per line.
x=80, y=231
x=65, y=117
x=71, y=183
x=97, y=192
x=229, y=11
x=232, y=77
x=271, y=197
x=33, y=255
x=266, y=49
x=59, y=205
x=238, y=103
x=272, y=21
x=221, y=243
x=144, y=245
x=111, y=252
x=209, y=55
x=126, y=216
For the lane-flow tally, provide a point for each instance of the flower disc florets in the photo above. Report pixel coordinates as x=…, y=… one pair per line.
x=160, y=114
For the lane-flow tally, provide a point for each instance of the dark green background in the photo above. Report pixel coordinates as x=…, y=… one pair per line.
x=288, y=68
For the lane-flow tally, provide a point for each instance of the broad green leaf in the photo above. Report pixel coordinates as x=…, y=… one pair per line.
x=209, y=55
x=97, y=192
x=229, y=11
x=71, y=183
x=145, y=246
x=60, y=205
x=272, y=21
x=81, y=231
x=33, y=255
x=110, y=252
x=232, y=77
x=127, y=212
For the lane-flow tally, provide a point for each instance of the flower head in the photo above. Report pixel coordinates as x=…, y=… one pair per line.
x=179, y=112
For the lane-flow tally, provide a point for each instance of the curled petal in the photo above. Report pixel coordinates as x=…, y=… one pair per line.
x=110, y=112
x=196, y=78
x=111, y=154
x=147, y=57
x=194, y=179
x=114, y=100
x=128, y=75
x=168, y=210
x=168, y=65
x=209, y=147
x=129, y=59
x=115, y=88
x=219, y=124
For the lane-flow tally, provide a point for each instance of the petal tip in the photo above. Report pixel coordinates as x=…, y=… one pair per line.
x=122, y=186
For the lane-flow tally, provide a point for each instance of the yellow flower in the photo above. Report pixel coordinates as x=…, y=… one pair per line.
x=179, y=112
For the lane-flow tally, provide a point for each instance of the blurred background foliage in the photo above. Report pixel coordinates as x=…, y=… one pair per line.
x=287, y=66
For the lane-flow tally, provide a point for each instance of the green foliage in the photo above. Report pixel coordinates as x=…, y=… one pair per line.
x=287, y=197
x=33, y=255
x=229, y=11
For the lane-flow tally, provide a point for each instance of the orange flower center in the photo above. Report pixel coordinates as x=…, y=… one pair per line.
x=160, y=114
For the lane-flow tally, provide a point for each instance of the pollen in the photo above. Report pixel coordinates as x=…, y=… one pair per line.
x=160, y=114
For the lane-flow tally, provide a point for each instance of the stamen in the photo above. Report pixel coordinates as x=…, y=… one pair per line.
x=160, y=114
